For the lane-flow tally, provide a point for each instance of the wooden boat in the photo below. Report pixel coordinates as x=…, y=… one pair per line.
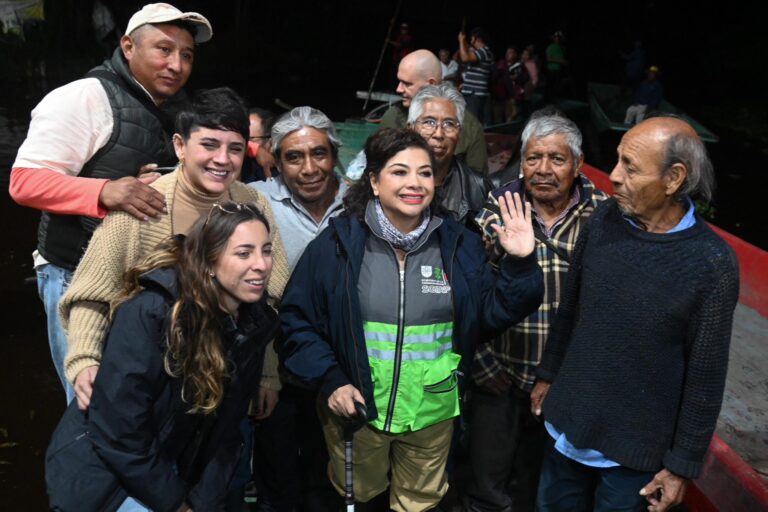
x=608, y=105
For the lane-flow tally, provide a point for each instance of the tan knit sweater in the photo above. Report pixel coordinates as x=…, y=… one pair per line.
x=117, y=245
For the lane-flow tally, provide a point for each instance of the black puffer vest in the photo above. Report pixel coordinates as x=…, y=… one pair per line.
x=138, y=138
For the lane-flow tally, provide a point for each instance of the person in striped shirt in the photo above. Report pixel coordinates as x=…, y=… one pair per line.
x=478, y=62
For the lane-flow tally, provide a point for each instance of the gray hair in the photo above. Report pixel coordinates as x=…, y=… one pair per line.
x=687, y=149
x=550, y=121
x=444, y=91
x=303, y=117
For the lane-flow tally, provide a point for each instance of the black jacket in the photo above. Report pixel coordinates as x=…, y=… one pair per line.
x=463, y=193
x=137, y=426
x=324, y=343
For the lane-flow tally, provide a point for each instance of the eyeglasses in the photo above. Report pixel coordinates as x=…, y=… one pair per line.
x=429, y=125
x=230, y=207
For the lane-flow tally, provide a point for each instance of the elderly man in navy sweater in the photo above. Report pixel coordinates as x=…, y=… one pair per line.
x=632, y=377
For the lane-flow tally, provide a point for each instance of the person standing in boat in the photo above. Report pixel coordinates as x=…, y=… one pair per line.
x=449, y=66
x=556, y=65
x=478, y=60
x=384, y=309
x=437, y=113
x=505, y=439
x=90, y=139
x=647, y=97
x=632, y=377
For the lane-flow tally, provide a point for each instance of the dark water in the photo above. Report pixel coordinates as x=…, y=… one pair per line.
x=32, y=399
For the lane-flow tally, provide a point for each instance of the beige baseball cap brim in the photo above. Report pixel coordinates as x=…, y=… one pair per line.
x=163, y=13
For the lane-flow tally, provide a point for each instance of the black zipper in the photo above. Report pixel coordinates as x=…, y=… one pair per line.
x=398, y=345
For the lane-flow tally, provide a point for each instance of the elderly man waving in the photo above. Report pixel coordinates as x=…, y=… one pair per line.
x=506, y=440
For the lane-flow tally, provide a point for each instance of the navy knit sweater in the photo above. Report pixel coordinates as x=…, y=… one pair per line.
x=638, y=352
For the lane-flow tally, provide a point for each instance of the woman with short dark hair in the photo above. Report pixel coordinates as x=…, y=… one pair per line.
x=210, y=142
x=384, y=308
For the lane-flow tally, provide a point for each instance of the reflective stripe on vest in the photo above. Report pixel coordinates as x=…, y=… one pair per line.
x=427, y=390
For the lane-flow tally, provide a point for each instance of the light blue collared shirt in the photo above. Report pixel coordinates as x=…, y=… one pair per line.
x=297, y=226
x=588, y=456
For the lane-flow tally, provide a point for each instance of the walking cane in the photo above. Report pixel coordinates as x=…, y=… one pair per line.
x=351, y=426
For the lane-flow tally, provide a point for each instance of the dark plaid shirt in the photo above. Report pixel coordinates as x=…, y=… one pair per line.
x=518, y=350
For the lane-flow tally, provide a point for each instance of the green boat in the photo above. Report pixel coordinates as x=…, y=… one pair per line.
x=353, y=134
x=608, y=104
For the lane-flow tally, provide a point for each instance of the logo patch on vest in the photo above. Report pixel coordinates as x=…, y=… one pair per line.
x=434, y=280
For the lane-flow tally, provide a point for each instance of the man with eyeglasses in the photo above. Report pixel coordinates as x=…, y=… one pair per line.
x=436, y=113
x=420, y=69
x=260, y=164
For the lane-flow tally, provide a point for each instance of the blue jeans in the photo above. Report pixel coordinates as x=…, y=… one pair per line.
x=569, y=486
x=52, y=283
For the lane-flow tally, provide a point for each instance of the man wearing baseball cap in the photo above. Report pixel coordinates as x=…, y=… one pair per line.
x=89, y=142
x=647, y=98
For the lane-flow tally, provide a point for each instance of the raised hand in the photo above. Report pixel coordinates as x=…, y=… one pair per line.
x=516, y=235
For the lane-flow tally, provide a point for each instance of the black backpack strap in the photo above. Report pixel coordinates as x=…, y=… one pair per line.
x=541, y=237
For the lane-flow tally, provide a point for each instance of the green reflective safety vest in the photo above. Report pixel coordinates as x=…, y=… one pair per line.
x=424, y=368
x=408, y=326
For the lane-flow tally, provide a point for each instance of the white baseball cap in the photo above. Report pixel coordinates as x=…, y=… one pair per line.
x=163, y=13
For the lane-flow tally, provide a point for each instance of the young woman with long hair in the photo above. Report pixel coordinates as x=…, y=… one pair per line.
x=385, y=307
x=180, y=363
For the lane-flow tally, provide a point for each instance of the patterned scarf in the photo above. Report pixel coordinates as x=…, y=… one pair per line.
x=391, y=234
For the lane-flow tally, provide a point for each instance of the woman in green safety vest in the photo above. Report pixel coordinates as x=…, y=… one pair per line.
x=385, y=307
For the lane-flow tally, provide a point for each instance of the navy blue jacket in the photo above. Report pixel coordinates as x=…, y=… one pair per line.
x=323, y=343
x=137, y=427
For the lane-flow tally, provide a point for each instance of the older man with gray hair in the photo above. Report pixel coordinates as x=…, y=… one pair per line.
x=304, y=197
x=308, y=192
x=436, y=113
x=420, y=69
x=506, y=440
x=632, y=378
